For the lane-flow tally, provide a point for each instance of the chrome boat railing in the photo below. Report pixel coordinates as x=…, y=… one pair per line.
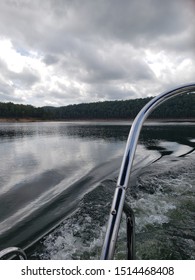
x=123, y=179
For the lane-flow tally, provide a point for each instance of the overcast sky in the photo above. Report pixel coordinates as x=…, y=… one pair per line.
x=60, y=52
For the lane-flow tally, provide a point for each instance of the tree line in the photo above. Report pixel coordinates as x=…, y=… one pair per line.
x=180, y=107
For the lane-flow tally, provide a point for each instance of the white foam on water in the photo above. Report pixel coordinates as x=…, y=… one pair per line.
x=69, y=241
x=151, y=209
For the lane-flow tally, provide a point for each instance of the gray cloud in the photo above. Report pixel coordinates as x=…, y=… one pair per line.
x=24, y=79
x=5, y=89
x=57, y=26
x=95, y=50
x=7, y=93
x=50, y=59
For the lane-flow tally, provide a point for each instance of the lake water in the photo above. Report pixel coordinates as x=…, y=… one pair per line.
x=58, y=180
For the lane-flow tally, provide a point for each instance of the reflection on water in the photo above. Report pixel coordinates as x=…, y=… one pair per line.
x=35, y=148
x=47, y=168
x=42, y=161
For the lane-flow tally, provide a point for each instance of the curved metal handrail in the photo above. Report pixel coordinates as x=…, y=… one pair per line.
x=127, y=162
x=13, y=251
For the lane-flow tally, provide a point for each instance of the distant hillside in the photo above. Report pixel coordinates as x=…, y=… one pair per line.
x=181, y=107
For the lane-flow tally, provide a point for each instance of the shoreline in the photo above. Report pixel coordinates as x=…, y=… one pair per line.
x=27, y=120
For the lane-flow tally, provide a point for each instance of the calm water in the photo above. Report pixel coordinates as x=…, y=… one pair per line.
x=58, y=179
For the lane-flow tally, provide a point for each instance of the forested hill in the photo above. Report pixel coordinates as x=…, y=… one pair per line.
x=181, y=107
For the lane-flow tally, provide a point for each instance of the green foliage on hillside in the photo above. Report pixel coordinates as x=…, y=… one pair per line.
x=179, y=107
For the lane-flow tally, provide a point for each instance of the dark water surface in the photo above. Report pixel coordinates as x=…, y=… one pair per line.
x=58, y=179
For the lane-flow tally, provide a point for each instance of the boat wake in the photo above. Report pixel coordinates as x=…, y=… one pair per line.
x=163, y=199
